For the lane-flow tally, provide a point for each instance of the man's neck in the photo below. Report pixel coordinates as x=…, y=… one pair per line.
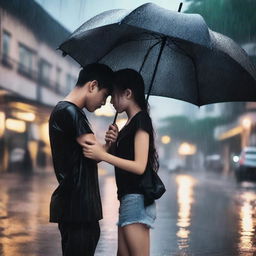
x=76, y=98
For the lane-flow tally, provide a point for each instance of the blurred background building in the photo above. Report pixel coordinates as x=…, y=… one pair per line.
x=33, y=77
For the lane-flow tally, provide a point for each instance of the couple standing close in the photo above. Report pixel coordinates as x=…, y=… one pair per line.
x=76, y=204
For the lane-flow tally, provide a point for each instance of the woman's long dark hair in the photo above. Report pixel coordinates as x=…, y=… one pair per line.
x=131, y=79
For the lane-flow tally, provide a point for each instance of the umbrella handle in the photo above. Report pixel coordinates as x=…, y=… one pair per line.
x=114, y=122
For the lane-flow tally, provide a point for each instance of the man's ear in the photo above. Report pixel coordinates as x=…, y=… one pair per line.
x=92, y=85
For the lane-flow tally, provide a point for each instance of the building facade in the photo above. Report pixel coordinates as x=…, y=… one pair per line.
x=33, y=78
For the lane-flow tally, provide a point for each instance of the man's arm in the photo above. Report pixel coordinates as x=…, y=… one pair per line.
x=82, y=138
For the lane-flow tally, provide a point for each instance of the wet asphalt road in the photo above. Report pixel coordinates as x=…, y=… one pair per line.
x=200, y=214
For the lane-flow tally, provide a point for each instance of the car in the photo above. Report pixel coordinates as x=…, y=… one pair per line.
x=246, y=166
x=213, y=163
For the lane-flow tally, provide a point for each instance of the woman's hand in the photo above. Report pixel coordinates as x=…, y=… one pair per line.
x=111, y=134
x=93, y=150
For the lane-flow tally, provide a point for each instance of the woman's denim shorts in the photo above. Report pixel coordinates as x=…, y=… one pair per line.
x=132, y=210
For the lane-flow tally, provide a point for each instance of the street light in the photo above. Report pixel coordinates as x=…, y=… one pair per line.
x=187, y=149
x=166, y=139
x=246, y=122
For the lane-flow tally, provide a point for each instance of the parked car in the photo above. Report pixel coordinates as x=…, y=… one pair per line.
x=213, y=163
x=246, y=168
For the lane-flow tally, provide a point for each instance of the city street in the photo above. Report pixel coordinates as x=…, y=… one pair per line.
x=200, y=214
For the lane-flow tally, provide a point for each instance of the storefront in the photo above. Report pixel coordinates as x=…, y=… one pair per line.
x=234, y=137
x=24, y=139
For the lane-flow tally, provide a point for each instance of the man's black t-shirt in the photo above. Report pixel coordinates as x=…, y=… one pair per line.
x=77, y=198
x=128, y=182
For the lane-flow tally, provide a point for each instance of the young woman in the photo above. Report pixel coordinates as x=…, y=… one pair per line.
x=134, y=152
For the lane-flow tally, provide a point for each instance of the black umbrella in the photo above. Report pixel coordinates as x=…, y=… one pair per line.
x=176, y=53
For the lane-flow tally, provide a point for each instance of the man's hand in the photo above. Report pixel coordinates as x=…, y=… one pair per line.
x=93, y=150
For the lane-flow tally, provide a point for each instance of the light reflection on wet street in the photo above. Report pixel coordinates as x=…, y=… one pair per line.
x=200, y=214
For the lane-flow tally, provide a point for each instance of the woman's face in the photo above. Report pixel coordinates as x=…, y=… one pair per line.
x=119, y=101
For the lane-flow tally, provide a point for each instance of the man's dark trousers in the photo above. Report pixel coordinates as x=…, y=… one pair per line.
x=79, y=239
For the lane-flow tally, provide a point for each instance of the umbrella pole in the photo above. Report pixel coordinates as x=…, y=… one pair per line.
x=157, y=62
x=145, y=58
x=158, y=59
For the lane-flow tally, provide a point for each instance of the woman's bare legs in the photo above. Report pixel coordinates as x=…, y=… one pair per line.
x=136, y=239
x=122, y=249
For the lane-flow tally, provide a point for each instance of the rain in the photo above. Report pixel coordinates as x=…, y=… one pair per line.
x=207, y=153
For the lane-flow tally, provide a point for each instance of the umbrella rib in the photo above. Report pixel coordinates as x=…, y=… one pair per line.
x=118, y=44
x=192, y=59
x=146, y=55
x=163, y=42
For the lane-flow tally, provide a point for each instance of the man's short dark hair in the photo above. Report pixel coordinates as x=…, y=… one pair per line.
x=96, y=71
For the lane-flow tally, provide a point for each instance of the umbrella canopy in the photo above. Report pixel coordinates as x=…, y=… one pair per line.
x=176, y=53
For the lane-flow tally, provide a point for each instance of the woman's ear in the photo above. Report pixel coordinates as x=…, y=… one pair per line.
x=128, y=93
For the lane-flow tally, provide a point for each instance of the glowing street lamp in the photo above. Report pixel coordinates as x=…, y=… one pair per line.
x=166, y=139
x=246, y=122
x=187, y=149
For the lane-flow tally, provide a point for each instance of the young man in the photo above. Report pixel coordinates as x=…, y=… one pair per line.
x=76, y=204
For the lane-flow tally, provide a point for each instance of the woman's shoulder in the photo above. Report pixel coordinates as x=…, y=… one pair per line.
x=143, y=121
x=143, y=115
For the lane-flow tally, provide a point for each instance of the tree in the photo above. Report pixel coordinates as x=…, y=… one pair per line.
x=199, y=131
x=177, y=127
x=234, y=18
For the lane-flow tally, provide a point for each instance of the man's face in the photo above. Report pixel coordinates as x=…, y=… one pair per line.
x=97, y=98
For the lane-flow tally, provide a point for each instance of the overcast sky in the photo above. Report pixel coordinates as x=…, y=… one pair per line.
x=73, y=13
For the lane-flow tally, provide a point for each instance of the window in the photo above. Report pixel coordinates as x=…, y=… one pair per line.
x=25, y=60
x=6, y=48
x=45, y=72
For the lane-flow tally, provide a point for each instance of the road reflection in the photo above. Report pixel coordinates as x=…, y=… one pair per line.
x=185, y=199
x=24, y=214
x=247, y=222
x=108, y=239
x=25, y=230
x=17, y=220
